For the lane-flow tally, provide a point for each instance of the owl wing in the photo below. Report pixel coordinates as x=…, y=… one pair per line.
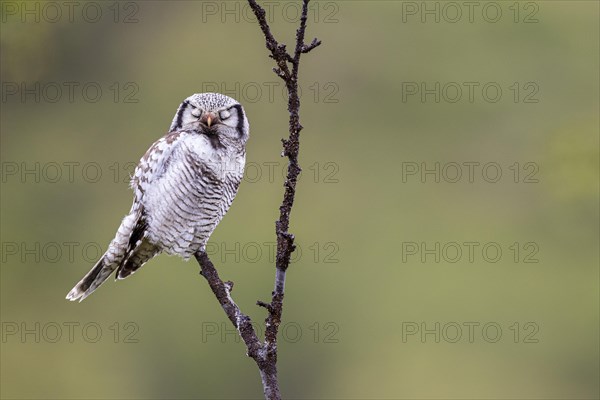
x=154, y=163
x=151, y=167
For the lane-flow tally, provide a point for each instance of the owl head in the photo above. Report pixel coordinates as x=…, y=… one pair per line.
x=212, y=114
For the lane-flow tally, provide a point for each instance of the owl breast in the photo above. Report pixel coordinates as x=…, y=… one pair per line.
x=184, y=204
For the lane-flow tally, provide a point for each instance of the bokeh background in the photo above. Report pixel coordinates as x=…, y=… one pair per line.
x=373, y=308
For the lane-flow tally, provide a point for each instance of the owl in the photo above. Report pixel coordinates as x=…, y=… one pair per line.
x=183, y=186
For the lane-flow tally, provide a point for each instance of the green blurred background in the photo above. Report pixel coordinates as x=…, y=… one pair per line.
x=357, y=298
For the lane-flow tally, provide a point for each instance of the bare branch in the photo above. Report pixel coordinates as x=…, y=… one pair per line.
x=315, y=43
x=278, y=53
x=265, y=354
x=222, y=291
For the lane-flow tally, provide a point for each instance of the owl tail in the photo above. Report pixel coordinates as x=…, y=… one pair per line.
x=96, y=277
x=128, y=251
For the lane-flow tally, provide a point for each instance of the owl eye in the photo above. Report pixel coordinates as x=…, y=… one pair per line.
x=196, y=112
x=224, y=114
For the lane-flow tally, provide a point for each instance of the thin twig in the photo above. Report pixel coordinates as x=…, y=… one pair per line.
x=265, y=354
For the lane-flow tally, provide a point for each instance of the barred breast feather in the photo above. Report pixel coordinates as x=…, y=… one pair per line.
x=185, y=188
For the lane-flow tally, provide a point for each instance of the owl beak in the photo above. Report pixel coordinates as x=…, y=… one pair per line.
x=208, y=118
